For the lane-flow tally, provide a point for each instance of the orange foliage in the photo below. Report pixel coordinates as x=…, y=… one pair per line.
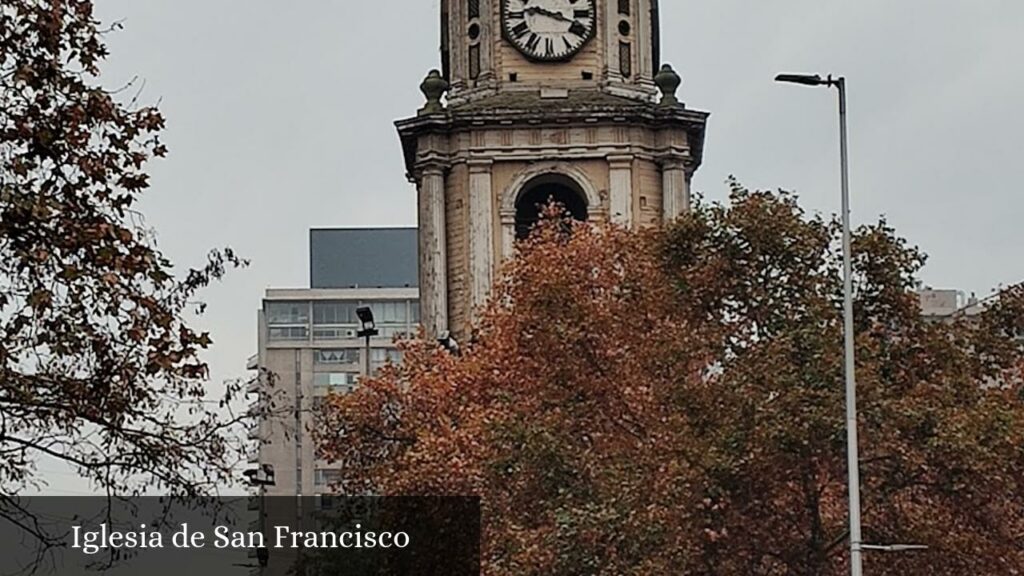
x=671, y=402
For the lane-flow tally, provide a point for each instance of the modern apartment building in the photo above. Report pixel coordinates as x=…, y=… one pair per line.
x=308, y=346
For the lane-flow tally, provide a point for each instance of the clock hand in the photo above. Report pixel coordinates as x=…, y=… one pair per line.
x=549, y=13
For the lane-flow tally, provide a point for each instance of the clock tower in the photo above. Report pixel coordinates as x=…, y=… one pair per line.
x=540, y=100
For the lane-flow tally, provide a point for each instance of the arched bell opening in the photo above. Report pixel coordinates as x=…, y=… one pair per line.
x=543, y=190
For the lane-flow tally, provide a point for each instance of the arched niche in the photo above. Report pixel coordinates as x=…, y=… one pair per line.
x=546, y=179
x=543, y=190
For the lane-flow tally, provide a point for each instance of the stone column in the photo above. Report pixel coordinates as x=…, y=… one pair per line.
x=433, y=250
x=620, y=170
x=481, y=231
x=508, y=234
x=675, y=188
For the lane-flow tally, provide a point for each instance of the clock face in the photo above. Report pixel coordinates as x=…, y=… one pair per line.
x=548, y=30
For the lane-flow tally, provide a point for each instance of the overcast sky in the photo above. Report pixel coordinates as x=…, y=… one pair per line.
x=280, y=119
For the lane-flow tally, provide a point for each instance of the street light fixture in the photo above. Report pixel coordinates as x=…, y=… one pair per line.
x=261, y=477
x=369, y=327
x=894, y=547
x=367, y=331
x=856, y=542
x=805, y=79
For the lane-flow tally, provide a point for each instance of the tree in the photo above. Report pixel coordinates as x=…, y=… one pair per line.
x=98, y=367
x=672, y=401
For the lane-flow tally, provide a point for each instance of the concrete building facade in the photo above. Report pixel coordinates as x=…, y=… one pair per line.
x=308, y=348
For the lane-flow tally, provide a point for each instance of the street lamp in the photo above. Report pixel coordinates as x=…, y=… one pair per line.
x=367, y=331
x=261, y=477
x=805, y=79
x=856, y=542
x=894, y=547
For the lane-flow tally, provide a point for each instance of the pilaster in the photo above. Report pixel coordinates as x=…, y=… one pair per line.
x=620, y=170
x=433, y=248
x=508, y=234
x=481, y=225
x=675, y=188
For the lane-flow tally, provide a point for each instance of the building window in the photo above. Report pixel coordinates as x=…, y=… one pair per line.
x=289, y=334
x=473, y=9
x=325, y=477
x=335, y=382
x=390, y=312
x=335, y=313
x=278, y=313
x=337, y=320
x=624, y=7
x=287, y=321
x=335, y=357
x=321, y=333
x=381, y=356
x=334, y=320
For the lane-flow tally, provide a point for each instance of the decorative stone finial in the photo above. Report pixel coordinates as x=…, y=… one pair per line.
x=433, y=87
x=668, y=81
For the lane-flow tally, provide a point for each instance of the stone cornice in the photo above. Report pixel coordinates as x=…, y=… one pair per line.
x=479, y=117
x=651, y=116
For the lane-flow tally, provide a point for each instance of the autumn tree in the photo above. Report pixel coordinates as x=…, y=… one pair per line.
x=672, y=402
x=98, y=368
x=941, y=405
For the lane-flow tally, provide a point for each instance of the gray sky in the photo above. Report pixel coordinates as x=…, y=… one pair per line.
x=280, y=119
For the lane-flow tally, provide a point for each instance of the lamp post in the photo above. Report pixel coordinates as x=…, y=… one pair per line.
x=368, y=330
x=856, y=542
x=261, y=478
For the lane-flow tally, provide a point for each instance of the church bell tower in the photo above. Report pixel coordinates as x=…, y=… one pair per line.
x=539, y=100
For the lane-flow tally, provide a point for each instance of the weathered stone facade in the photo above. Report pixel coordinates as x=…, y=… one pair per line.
x=592, y=124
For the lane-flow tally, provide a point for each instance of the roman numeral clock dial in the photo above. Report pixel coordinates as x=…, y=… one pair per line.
x=548, y=30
